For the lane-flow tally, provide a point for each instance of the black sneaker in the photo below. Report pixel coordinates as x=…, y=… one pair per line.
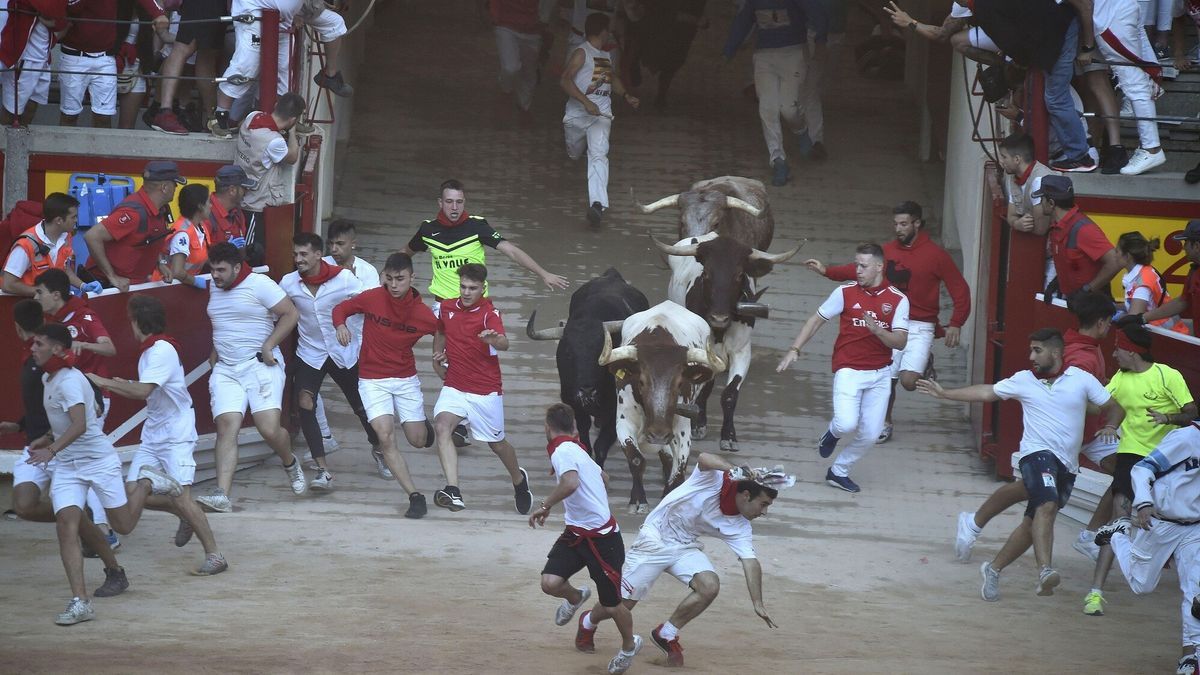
x=1113, y=159
x=460, y=437
x=416, y=506
x=827, y=444
x=334, y=83
x=1193, y=175
x=1081, y=164
x=115, y=583
x=1106, y=532
x=220, y=125
x=819, y=153
x=595, y=214
x=449, y=497
x=779, y=172
x=521, y=494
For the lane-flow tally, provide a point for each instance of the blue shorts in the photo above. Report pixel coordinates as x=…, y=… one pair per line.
x=1046, y=480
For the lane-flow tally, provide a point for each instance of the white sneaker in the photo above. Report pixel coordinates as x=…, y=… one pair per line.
x=79, y=610
x=990, y=590
x=323, y=481
x=381, y=466
x=217, y=502
x=1143, y=161
x=1048, y=580
x=1086, y=544
x=330, y=443
x=160, y=483
x=295, y=474
x=566, y=610
x=965, y=540
x=621, y=662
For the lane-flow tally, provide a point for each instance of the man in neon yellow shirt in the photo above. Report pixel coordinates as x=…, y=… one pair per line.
x=1156, y=400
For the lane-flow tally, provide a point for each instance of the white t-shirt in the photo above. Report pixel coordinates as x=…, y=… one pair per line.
x=67, y=388
x=594, y=78
x=318, y=338
x=276, y=150
x=1053, y=412
x=170, y=417
x=365, y=271
x=586, y=507
x=18, y=261
x=693, y=509
x=242, y=319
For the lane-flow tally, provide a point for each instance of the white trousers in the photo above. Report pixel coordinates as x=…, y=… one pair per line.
x=518, y=63
x=810, y=93
x=1142, y=558
x=1126, y=41
x=860, y=399
x=778, y=79
x=592, y=131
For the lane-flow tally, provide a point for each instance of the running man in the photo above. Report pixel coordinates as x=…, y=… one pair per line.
x=717, y=500
x=466, y=355
x=81, y=458
x=590, y=79
x=396, y=319
x=1054, y=400
x=592, y=538
x=343, y=240
x=169, y=432
x=315, y=289
x=250, y=316
x=874, y=323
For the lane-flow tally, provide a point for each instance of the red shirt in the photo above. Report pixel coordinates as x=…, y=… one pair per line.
x=97, y=38
x=856, y=346
x=391, y=327
x=85, y=326
x=1084, y=353
x=474, y=365
x=1191, y=293
x=918, y=270
x=225, y=224
x=1077, y=266
x=134, y=252
x=518, y=15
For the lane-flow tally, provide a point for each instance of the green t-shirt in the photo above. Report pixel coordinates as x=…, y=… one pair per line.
x=451, y=247
x=1161, y=389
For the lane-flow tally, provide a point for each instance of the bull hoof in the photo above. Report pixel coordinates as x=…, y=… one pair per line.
x=639, y=509
x=729, y=445
x=698, y=433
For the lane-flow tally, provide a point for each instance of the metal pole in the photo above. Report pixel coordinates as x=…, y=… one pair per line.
x=268, y=70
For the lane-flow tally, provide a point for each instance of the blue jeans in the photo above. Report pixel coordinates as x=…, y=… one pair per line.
x=1065, y=123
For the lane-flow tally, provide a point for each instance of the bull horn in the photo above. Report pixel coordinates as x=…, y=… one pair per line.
x=742, y=205
x=543, y=334
x=654, y=206
x=777, y=258
x=613, y=326
x=611, y=355
x=690, y=411
x=701, y=356
x=688, y=251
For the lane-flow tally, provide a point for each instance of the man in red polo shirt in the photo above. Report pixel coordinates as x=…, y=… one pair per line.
x=465, y=355
x=1084, y=259
x=1187, y=305
x=126, y=247
x=226, y=220
x=874, y=321
x=917, y=267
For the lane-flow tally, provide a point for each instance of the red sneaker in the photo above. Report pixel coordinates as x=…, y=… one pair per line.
x=585, y=640
x=166, y=122
x=671, y=648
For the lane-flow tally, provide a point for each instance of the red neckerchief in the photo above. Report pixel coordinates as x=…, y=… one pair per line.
x=441, y=218
x=324, y=273
x=57, y=363
x=1074, y=337
x=1052, y=376
x=245, y=272
x=263, y=121
x=728, y=499
x=1025, y=176
x=1068, y=218
x=555, y=442
x=159, y=337
x=72, y=305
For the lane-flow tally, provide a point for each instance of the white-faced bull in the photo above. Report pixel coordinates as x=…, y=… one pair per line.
x=725, y=228
x=596, y=307
x=665, y=354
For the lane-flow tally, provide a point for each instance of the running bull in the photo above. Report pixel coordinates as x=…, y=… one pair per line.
x=598, y=306
x=666, y=352
x=725, y=228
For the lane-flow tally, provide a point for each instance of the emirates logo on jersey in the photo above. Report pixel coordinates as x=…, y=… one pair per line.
x=887, y=308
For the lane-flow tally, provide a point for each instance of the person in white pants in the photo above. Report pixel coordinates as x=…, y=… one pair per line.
x=590, y=78
x=1166, y=486
x=874, y=321
x=518, y=25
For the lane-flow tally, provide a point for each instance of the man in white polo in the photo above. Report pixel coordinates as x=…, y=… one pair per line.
x=250, y=316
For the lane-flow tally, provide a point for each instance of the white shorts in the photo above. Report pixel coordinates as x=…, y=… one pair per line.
x=99, y=79
x=33, y=86
x=71, y=480
x=174, y=459
x=24, y=472
x=1098, y=449
x=648, y=558
x=329, y=25
x=245, y=59
x=484, y=412
x=397, y=396
x=253, y=383
x=915, y=355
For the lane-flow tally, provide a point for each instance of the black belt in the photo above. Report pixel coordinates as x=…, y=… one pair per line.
x=1179, y=522
x=76, y=52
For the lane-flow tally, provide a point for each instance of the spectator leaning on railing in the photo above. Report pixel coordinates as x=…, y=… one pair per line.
x=45, y=246
x=1084, y=258
x=264, y=151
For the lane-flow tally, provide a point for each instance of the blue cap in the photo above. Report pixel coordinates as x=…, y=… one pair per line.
x=163, y=170
x=232, y=174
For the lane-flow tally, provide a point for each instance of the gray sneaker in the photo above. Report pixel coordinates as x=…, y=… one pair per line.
x=1047, y=581
x=184, y=533
x=323, y=481
x=621, y=662
x=78, y=610
x=213, y=564
x=990, y=590
x=215, y=502
x=160, y=483
x=380, y=465
x=295, y=474
x=566, y=610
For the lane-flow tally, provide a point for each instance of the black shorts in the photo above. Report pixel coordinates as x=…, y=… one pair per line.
x=209, y=34
x=571, y=554
x=1122, y=483
x=1046, y=480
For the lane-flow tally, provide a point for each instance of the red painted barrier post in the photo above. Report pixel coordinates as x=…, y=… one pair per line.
x=268, y=69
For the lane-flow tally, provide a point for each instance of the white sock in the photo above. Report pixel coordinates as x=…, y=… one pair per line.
x=669, y=631
x=587, y=622
x=975, y=528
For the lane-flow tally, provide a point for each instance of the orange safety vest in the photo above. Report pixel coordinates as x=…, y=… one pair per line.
x=1151, y=279
x=197, y=256
x=39, y=255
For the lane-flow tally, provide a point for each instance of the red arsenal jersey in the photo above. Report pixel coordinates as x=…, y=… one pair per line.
x=84, y=326
x=390, y=329
x=856, y=347
x=474, y=365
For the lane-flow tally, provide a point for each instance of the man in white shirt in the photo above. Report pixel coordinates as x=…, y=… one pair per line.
x=315, y=288
x=1054, y=401
x=81, y=458
x=717, y=500
x=592, y=538
x=250, y=316
x=343, y=240
x=169, y=432
x=44, y=246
